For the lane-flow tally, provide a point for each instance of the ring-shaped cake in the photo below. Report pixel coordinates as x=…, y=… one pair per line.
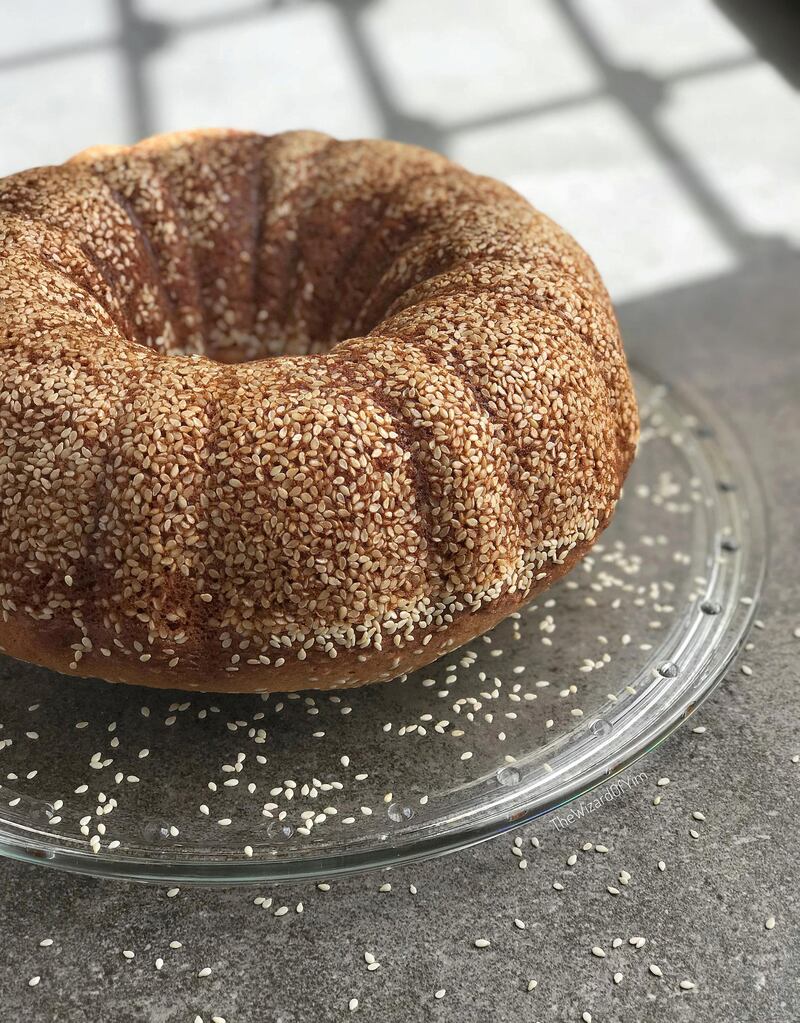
x=287, y=412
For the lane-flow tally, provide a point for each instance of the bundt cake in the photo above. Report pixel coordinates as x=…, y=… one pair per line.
x=287, y=412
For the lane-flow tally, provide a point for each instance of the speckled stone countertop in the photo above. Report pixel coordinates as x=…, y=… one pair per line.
x=704, y=916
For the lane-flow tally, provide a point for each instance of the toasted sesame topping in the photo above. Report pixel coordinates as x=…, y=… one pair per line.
x=254, y=435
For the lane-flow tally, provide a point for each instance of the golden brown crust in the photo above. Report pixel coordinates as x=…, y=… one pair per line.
x=180, y=508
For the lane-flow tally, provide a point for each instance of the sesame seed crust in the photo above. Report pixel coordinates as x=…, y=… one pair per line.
x=286, y=412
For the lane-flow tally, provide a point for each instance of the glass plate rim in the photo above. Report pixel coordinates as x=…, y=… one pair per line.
x=734, y=473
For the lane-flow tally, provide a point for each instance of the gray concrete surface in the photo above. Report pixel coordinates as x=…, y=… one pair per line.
x=667, y=148
x=736, y=340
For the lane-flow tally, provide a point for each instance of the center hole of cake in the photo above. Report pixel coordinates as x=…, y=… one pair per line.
x=240, y=347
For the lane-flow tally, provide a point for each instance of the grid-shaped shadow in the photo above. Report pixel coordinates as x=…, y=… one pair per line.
x=640, y=93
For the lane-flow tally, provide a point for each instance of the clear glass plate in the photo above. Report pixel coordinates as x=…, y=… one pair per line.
x=136, y=783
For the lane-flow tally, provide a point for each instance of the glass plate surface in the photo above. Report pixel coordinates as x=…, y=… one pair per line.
x=163, y=786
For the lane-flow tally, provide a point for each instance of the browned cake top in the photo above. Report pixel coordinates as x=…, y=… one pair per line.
x=281, y=398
